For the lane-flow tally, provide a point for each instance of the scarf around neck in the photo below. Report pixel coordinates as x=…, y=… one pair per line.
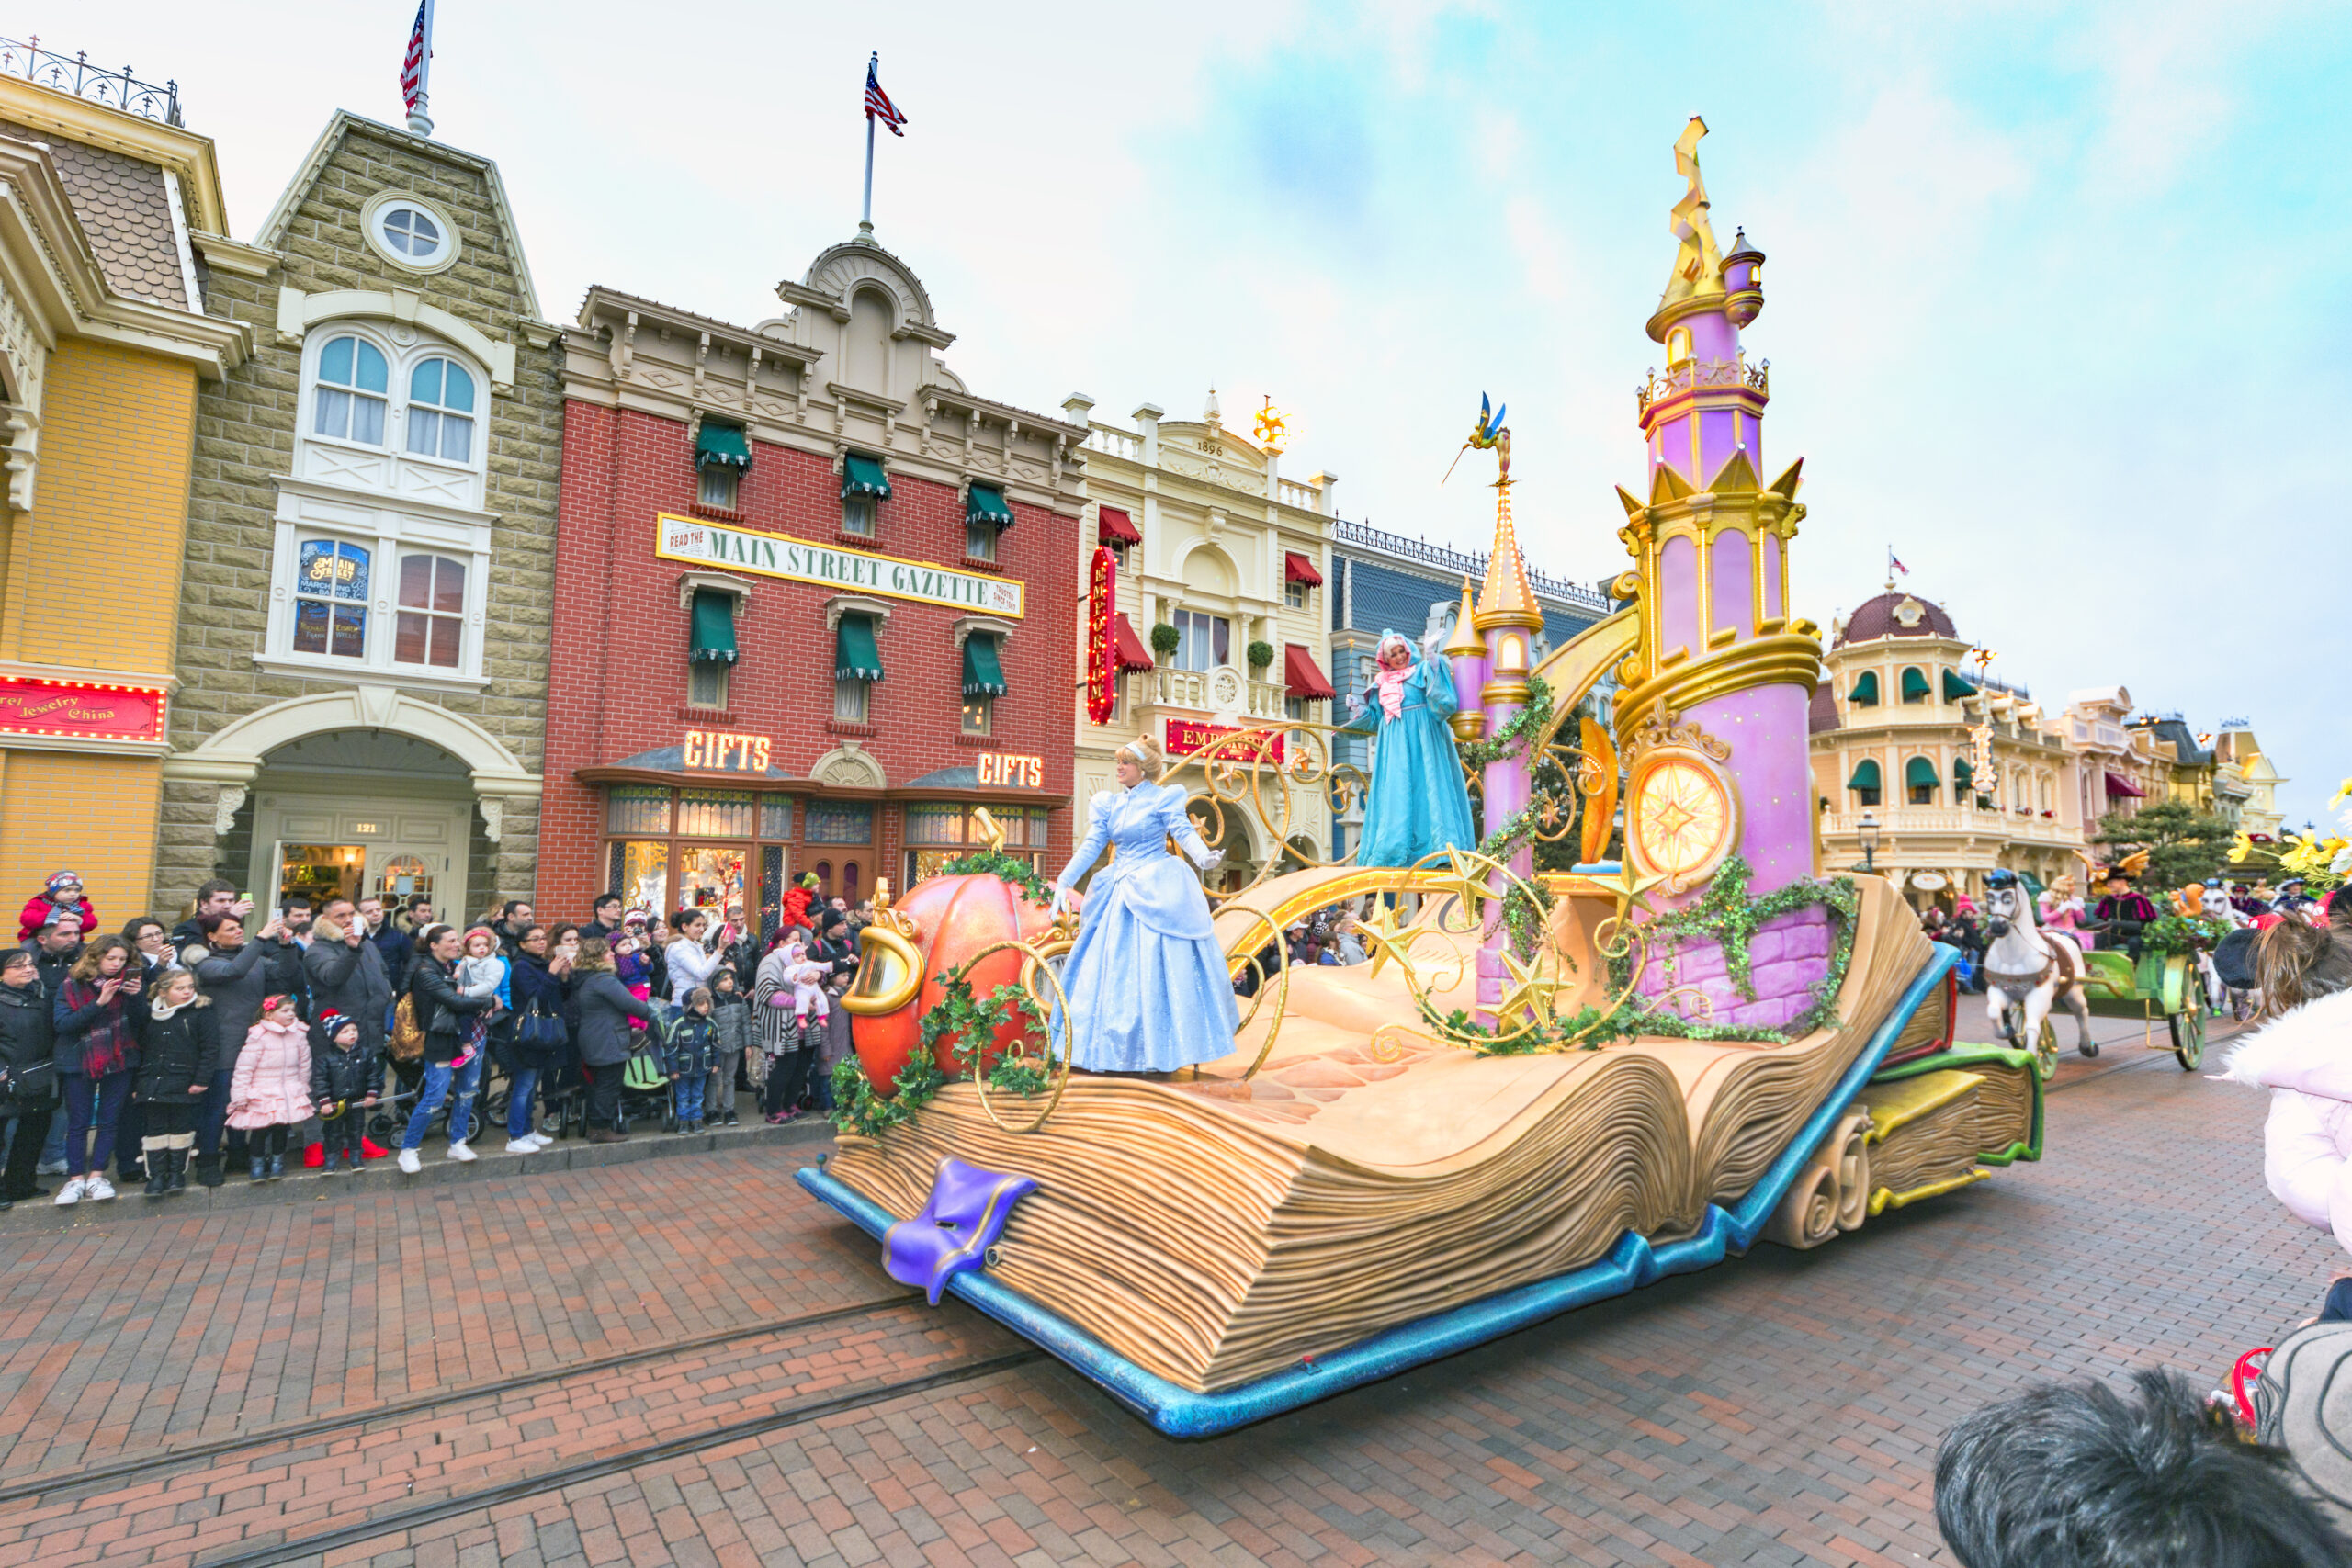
x=1391, y=683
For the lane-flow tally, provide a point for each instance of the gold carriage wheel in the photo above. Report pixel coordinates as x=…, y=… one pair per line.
x=1032, y=959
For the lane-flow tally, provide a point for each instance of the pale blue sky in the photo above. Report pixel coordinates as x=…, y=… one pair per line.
x=2054, y=297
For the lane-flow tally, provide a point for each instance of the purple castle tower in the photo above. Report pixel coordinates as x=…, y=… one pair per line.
x=1711, y=714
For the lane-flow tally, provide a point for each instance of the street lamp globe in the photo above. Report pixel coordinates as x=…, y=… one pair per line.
x=1868, y=828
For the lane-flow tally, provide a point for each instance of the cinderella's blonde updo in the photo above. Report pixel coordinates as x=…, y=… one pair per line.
x=1144, y=752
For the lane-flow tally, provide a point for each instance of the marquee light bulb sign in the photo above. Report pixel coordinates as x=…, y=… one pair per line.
x=1102, y=652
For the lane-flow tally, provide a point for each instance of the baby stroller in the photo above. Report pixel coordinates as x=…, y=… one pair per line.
x=645, y=1078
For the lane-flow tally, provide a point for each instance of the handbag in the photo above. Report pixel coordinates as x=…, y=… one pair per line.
x=643, y=1074
x=539, y=1032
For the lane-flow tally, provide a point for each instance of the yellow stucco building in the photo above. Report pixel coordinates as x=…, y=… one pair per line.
x=113, y=213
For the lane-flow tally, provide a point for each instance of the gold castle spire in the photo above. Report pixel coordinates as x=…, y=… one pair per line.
x=1698, y=264
x=1507, y=600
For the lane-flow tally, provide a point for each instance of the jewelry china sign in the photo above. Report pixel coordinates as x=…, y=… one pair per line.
x=777, y=555
x=82, y=710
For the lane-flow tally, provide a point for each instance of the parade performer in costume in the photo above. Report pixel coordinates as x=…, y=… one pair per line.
x=2061, y=909
x=1418, y=802
x=2123, y=912
x=1146, y=978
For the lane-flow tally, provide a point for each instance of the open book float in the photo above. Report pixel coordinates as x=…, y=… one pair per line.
x=1214, y=1252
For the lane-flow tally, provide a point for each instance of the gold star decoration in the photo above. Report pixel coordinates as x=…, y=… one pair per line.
x=1632, y=887
x=1465, y=879
x=1532, y=992
x=1384, y=931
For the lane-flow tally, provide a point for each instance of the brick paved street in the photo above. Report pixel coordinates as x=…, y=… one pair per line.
x=343, y=1367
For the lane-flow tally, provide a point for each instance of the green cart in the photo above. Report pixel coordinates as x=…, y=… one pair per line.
x=2117, y=984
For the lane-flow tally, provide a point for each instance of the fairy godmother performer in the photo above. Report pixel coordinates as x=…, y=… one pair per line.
x=1418, y=802
x=1145, y=979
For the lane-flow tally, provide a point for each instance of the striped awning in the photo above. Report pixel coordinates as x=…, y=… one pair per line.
x=1116, y=528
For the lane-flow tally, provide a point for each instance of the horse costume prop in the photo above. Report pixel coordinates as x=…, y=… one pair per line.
x=2030, y=968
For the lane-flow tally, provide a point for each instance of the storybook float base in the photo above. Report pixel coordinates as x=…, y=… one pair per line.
x=1632, y=1262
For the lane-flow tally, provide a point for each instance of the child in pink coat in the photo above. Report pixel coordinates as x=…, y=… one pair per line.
x=270, y=1094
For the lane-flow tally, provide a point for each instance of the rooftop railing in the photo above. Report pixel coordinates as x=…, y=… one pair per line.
x=73, y=74
x=1459, y=563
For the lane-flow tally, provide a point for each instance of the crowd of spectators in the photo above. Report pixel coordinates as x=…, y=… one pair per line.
x=235, y=1039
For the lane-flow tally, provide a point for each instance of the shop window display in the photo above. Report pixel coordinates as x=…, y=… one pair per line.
x=938, y=834
x=700, y=848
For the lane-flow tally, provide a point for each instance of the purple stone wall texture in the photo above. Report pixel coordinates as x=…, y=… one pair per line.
x=1789, y=954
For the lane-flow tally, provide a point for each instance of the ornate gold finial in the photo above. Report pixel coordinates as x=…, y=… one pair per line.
x=1274, y=430
x=1698, y=264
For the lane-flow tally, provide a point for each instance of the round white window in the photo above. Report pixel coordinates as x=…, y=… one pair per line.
x=412, y=234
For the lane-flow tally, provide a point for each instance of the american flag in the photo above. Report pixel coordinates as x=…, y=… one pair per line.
x=877, y=102
x=1893, y=564
x=412, y=63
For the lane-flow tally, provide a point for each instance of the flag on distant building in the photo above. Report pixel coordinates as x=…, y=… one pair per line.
x=420, y=48
x=877, y=102
x=1893, y=564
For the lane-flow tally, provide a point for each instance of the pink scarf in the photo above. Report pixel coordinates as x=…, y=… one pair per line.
x=1392, y=689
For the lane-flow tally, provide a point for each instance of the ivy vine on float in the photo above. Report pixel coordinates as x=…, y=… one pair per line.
x=859, y=1108
x=1727, y=917
x=1013, y=870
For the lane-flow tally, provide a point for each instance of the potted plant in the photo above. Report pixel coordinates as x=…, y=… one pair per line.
x=1164, y=639
x=1261, y=655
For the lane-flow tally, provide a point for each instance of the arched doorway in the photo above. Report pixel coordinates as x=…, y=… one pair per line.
x=360, y=812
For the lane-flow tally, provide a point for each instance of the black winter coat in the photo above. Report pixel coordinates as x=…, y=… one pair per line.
x=605, y=1008
x=528, y=982
x=439, y=1007
x=236, y=982
x=350, y=979
x=178, y=1051
x=337, y=1074
x=28, y=1041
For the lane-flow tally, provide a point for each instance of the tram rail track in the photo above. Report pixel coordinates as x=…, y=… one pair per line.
x=796, y=1413
x=147, y=1462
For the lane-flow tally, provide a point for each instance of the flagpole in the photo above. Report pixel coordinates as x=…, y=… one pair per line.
x=865, y=217
x=420, y=119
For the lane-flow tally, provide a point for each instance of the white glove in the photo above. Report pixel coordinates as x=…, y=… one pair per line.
x=1355, y=704
x=1210, y=860
x=1061, y=899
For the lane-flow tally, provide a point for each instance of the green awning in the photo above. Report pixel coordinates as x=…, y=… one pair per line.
x=986, y=504
x=724, y=444
x=2032, y=882
x=1865, y=775
x=863, y=476
x=1963, y=772
x=1915, y=686
x=854, y=656
x=714, y=628
x=1919, y=771
x=1955, y=688
x=1865, y=692
x=983, y=676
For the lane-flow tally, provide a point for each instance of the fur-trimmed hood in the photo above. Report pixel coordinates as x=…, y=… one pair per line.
x=2307, y=1050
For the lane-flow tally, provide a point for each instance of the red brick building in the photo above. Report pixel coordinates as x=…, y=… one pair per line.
x=814, y=602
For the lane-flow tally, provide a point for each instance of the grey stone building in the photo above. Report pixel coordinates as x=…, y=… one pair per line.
x=363, y=645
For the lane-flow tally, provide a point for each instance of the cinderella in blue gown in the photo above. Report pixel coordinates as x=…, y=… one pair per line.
x=1417, y=804
x=1145, y=977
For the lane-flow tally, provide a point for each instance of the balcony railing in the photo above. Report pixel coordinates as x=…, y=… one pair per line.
x=73, y=74
x=1290, y=492
x=1223, y=690
x=1693, y=374
x=1113, y=442
x=1459, y=564
x=1897, y=821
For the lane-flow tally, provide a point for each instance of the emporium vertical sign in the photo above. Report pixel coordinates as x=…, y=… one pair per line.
x=1101, y=651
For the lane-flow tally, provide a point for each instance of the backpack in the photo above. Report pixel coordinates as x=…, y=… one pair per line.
x=2303, y=1402
x=407, y=1039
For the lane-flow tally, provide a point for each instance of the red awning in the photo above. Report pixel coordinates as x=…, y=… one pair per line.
x=1298, y=669
x=1128, y=646
x=2118, y=785
x=1296, y=567
x=1116, y=528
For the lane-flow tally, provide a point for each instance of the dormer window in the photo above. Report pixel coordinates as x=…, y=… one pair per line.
x=353, y=381
x=441, y=410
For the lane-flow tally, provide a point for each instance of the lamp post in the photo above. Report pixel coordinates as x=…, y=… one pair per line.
x=1869, y=831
